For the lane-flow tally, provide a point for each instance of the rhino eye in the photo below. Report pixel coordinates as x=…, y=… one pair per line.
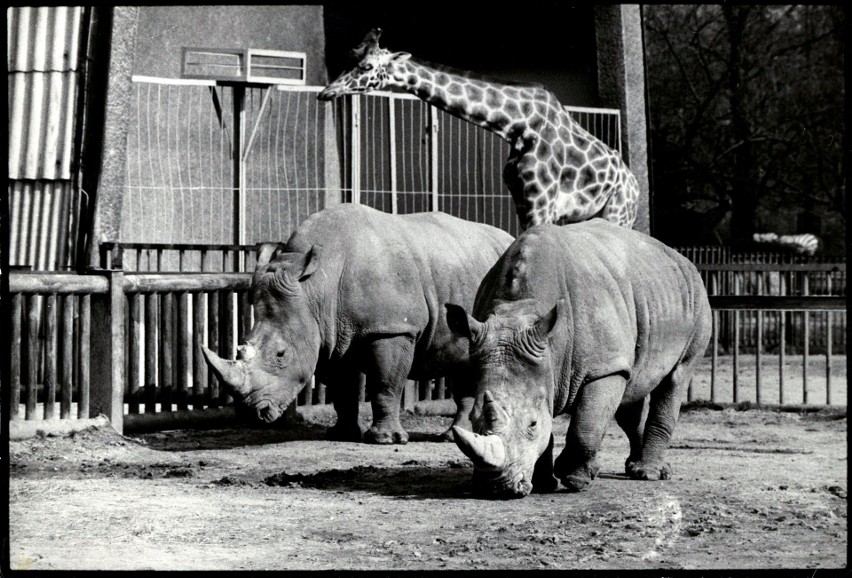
x=533, y=423
x=280, y=353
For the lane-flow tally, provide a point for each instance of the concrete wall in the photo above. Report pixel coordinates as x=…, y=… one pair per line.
x=164, y=30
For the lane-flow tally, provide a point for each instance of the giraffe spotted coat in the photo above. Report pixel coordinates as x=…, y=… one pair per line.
x=557, y=172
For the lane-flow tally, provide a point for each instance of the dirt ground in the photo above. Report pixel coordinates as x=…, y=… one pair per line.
x=751, y=489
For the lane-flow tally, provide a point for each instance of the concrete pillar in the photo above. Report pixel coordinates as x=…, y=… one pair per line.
x=111, y=175
x=621, y=85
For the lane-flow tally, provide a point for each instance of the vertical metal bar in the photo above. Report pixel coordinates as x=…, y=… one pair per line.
x=15, y=361
x=392, y=140
x=355, y=143
x=433, y=157
x=239, y=180
x=67, y=376
x=33, y=323
x=199, y=375
x=134, y=363
x=828, y=344
x=85, y=334
x=806, y=335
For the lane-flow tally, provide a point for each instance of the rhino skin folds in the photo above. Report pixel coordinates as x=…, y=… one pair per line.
x=354, y=291
x=589, y=319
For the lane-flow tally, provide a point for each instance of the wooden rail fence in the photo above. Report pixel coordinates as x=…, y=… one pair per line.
x=127, y=343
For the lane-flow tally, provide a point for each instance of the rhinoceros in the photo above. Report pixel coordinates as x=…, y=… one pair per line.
x=355, y=290
x=591, y=320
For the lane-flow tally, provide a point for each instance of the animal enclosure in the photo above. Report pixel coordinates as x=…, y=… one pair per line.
x=185, y=184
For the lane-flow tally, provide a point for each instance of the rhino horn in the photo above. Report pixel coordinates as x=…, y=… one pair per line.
x=231, y=373
x=486, y=452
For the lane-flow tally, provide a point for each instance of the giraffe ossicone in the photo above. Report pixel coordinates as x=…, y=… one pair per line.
x=557, y=171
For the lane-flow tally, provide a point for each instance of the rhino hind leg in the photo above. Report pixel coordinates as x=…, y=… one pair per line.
x=464, y=398
x=597, y=402
x=543, y=480
x=631, y=419
x=663, y=411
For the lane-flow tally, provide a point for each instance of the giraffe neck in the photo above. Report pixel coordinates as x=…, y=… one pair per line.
x=504, y=109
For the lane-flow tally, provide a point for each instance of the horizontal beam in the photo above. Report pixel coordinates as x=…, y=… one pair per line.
x=191, y=282
x=57, y=283
x=773, y=267
x=778, y=302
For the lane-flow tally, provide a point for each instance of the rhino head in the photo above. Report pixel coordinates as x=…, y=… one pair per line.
x=280, y=354
x=512, y=416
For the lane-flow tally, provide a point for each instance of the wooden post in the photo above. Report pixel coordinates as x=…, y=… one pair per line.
x=33, y=307
x=806, y=338
x=199, y=375
x=828, y=344
x=151, y=354
x=15, y=368
x=167, y=333
x=107, y=338
x=83, y=342
x=184, y=371
x=50, y=359
x=759, y=346
x=67, y=376
x=135, y=352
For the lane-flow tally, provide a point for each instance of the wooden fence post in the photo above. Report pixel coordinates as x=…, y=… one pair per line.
x=107, y=345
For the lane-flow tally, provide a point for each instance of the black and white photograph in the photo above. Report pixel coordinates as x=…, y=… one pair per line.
x=385, y=286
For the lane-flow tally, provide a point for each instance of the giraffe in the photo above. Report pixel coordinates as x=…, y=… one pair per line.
x=557, y=172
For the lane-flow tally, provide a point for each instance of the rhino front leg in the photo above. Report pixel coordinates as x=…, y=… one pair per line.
x=345, y=393
x=597, y=402
x=387, y=373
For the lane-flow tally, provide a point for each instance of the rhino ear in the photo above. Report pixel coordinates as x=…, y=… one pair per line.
x=461, y=323
x=311, y=262
x=547, y=322
x=265, y=252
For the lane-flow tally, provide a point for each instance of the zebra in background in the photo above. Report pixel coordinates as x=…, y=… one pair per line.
x=803, y=244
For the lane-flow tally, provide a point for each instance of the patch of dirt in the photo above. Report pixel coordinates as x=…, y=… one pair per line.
x=751, y=489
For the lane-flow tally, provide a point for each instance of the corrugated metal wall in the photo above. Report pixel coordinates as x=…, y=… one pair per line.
x=43, y=46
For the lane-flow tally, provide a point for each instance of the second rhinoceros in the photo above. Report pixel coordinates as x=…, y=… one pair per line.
x=591, y=320
x=353, y=291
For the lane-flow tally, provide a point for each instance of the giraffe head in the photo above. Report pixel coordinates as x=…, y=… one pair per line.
x=374, y=68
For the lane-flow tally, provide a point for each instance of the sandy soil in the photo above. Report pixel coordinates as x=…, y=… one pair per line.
x=751, y=489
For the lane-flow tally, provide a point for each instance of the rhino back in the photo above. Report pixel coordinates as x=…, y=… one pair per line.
x=634, y=303
x=387, y=274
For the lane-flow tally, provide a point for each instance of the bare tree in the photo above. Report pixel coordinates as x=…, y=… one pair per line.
x=746, y=109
